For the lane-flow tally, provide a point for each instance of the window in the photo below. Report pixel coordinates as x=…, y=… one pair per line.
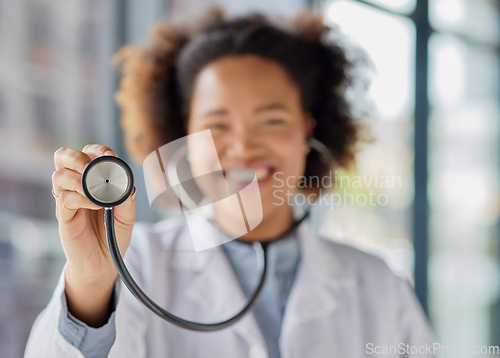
x=390, y=42
x=460, y=150
x=463, y=170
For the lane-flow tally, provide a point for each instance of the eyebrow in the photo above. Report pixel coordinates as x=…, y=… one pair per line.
x=266, y=107
x=270, y=107
x=215, y=112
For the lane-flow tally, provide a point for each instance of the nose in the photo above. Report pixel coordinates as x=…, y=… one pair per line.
x=242, y=144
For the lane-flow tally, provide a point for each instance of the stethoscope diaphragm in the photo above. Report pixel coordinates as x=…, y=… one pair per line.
x=107, y=181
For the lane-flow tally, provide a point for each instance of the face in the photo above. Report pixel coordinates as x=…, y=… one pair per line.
x=253, y=110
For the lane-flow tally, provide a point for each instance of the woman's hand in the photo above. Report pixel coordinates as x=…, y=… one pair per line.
x=90, y=273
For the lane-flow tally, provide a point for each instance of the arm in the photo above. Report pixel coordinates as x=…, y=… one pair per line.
x=126, y=325
x=89, y=276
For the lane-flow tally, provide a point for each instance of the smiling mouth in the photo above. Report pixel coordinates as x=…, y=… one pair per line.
x=245, y=175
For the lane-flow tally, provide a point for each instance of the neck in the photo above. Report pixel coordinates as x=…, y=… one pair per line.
x=272, y=226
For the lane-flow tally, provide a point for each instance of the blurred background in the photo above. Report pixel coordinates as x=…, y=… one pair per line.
x=435, y=122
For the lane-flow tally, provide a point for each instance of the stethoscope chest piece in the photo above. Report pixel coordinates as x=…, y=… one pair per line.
x=107, y=181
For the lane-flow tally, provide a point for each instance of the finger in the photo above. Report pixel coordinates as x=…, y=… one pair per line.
x=69, y=202
x=70, y=158
x=66, y=179
x=97, y=150
x=125, y=212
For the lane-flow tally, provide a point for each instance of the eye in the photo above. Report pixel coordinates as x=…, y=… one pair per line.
x=274, y=122
x=218, y=127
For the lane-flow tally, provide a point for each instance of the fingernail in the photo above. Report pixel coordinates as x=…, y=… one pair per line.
x=109, y=152
x=133, y=194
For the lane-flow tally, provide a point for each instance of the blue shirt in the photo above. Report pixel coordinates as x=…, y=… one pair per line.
x=283, y=259
x=283, y=256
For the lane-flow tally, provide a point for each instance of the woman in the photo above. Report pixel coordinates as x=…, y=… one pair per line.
x=262, y=90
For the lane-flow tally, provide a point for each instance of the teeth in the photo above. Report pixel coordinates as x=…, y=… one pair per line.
x=244, y=175
x=240, y=176
x=261, y=173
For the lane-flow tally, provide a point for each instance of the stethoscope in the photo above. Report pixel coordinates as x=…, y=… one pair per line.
x=108, y=181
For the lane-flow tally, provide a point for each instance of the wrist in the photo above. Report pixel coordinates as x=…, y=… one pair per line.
x=75, y=277
x=89, y=302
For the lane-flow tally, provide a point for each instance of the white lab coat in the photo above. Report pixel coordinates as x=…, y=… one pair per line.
x=344, y=303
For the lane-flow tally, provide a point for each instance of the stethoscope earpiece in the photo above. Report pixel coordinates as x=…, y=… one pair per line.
x=107, y=181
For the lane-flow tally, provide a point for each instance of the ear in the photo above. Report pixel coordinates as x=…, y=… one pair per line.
x=310, y=124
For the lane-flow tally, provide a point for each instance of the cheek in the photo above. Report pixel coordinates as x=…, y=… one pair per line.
x=203, y=154
x=202, y=149
x=293, y=153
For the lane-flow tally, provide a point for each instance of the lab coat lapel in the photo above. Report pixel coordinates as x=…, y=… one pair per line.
x=321, y=272
x=215, y=287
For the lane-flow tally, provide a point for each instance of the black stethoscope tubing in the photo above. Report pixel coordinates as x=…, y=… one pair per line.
x=129, y=281
x=139, y=294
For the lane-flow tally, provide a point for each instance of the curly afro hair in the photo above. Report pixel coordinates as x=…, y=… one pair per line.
x=158, y=78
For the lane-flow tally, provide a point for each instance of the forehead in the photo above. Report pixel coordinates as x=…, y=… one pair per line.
x=243, y=81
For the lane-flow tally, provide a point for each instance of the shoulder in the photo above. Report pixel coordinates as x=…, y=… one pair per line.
x=375, y=284
x=374, y=288
x=361, y=261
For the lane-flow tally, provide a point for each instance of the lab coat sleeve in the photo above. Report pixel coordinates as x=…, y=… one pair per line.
x=45, y=339
x=418, y=336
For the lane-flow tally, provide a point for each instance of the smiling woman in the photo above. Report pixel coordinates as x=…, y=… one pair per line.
x=263, y=92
